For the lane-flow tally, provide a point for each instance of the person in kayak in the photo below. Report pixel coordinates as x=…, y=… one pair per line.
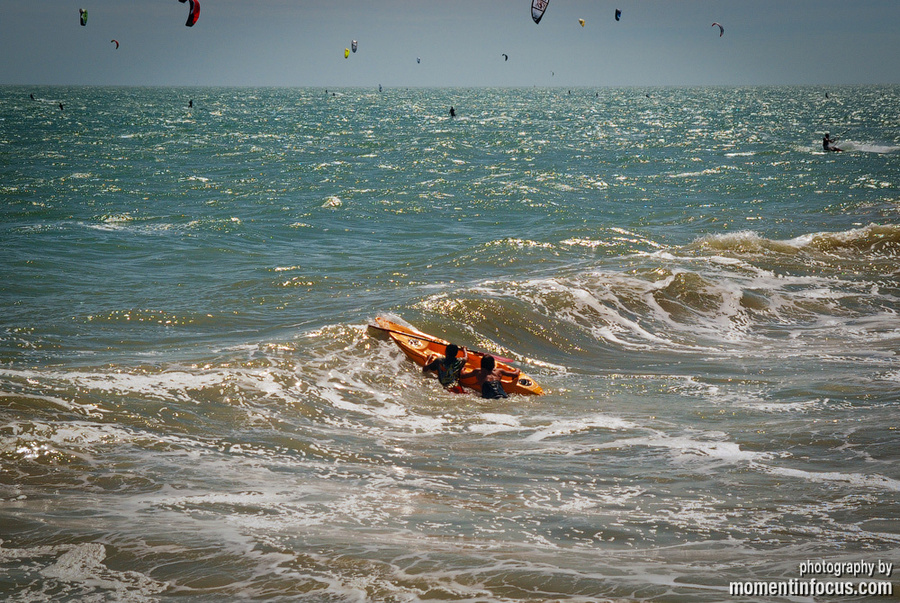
x=448, y=368
x=488, y=378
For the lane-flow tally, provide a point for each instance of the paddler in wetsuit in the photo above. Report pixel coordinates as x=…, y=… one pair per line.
x=488, y=378
x=448, y=368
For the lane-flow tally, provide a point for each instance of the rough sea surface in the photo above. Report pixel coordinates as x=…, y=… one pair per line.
x=192, y=408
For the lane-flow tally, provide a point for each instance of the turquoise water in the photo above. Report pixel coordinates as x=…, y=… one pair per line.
x=193, y=408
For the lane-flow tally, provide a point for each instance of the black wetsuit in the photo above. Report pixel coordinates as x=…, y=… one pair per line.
x=493, y=390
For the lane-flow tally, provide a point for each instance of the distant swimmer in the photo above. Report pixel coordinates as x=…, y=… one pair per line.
x=828, y=143
x=452, y=111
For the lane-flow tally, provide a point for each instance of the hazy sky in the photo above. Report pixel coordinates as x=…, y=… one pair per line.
x=460, y=43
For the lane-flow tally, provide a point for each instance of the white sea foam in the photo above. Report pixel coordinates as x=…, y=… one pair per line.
x=77, y=571
x=856, y=480
x=686, y=449
x=569, y=426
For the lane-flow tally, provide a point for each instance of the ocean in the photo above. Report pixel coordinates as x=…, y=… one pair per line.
x=193, y=409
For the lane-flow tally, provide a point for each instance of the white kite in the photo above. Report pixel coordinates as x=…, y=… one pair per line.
x=537, y=9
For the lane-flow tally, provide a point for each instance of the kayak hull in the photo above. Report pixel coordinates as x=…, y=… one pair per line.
x=422, y=348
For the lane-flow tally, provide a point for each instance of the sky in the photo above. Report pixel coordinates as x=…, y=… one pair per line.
x=300, y=43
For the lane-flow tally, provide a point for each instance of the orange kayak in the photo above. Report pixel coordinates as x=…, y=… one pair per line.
x=421, y=348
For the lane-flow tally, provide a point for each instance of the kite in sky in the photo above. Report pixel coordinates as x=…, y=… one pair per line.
x=537, y=9
x=116, y=42
x=721, y=29
x=82, y=13
x=194, y=14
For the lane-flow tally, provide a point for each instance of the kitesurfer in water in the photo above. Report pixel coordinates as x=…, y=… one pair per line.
x=488, y=378
x=61, y=107
x=828, y=143
x=448, y=367
x=191, y=104
x=452, y=111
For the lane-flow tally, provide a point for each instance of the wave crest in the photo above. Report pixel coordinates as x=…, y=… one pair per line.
x=872, y=240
